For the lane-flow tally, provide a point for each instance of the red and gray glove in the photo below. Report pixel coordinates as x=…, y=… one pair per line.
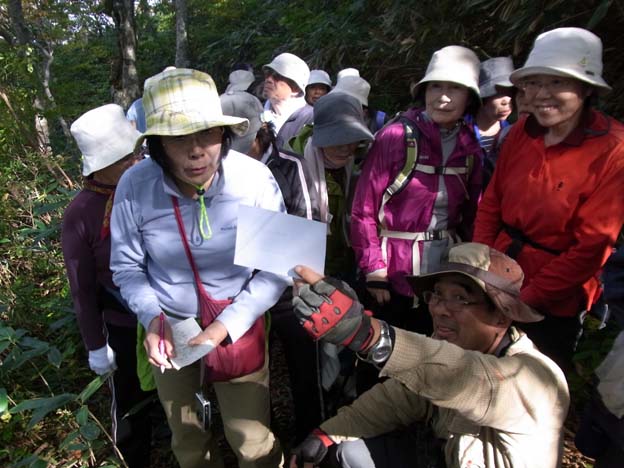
x=313, y=449
x=329, y=310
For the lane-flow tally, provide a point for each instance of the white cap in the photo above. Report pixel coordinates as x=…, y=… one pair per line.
x=319, y=77
x=104, y=136
x=353, y=86
x=455, y=64
x=239, y=80
x=347, y=72
x=292, y=67
x=573, y=52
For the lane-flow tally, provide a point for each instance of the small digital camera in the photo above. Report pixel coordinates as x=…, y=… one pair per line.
x=203, y=410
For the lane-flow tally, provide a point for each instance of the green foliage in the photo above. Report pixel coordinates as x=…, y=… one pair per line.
x=18, y=87
x=390, y=41
x=43, y=417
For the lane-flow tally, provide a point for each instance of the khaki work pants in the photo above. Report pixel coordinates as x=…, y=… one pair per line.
x=245, y=409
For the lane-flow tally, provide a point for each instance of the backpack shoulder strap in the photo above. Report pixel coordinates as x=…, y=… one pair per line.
x=411, y=160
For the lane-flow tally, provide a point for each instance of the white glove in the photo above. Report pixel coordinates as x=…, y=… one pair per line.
x=102, y=360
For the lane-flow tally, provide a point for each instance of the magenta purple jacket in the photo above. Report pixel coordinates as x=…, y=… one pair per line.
x=411, y=210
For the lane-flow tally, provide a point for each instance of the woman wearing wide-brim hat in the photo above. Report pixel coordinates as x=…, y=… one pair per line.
x=108, y=328
x=434, y=197
x=174, y=232
x=555, y=200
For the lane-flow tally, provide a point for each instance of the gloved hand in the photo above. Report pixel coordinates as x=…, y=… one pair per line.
x=329, y=310
x=102, y=360
x=378, y=286
x=312, y=450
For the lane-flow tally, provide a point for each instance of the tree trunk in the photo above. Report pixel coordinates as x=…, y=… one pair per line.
x=16, y=13
x=125, y=79
x=48, y=56
x=181, y=59
x=23, y=36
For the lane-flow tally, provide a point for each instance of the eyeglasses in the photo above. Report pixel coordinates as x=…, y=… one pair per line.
x=211, y=136
x=454, y=304
x=552, y=85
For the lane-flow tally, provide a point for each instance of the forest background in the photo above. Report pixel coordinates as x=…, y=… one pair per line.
x=59, y=59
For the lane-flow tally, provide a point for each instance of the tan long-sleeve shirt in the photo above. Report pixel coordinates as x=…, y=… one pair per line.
x=505, y=411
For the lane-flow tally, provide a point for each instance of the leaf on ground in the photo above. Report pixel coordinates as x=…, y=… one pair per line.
x=54, y=357
x=4, y=400
x=69, y=439
x=90, y=431
x=93, y=387
x=82, y=415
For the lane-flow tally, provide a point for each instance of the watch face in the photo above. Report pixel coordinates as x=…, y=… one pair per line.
x=381, y=353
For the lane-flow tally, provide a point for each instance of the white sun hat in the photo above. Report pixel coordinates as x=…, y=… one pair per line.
x=184, y=101
x=239, y=80
x=319, y=77
x=455, y=64
x=292, y=67
x=353, y=86
x=104, y=136
x=347, y=72
x=571, y=52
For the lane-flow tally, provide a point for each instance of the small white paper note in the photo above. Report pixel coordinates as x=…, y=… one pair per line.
x=186, y=354
x=278, y=242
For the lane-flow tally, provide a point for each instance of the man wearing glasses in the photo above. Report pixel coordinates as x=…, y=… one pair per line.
x=285, y=80
x=478, y=393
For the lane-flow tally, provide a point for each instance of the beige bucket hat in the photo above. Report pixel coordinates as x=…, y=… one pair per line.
x=104, y=136
x=496, y=273
x=455, y=64
x=570, y=52
x=184, y=101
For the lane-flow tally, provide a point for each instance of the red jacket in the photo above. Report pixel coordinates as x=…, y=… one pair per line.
x=569, y=198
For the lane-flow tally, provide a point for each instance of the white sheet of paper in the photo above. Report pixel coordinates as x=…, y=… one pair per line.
x=183, y=331
x=278, y=242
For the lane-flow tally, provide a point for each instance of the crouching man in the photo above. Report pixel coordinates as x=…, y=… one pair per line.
x=478, y=393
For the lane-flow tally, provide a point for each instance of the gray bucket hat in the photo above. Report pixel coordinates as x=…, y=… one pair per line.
x=239, y=80
x=242, y=104
x=495, y=72
x=339, y=120
x=354, y=86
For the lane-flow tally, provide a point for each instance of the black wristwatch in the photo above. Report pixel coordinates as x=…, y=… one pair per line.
x=380, y=352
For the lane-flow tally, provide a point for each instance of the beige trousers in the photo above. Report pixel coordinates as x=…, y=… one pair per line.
x=245, y=410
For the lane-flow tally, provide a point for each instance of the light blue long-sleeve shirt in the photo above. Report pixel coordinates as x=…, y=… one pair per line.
x=147, y=257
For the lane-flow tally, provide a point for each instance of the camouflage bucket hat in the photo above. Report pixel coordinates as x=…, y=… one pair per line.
x=496, y=273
